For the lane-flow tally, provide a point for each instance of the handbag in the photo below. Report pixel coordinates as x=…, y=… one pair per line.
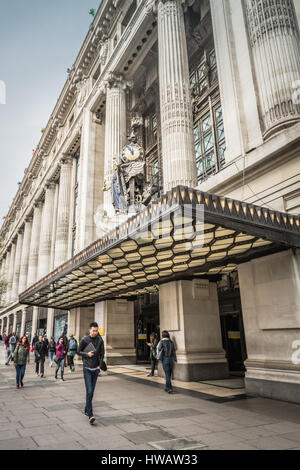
x=56, y=359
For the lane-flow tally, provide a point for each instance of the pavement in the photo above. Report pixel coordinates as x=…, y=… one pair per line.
x=134, y=413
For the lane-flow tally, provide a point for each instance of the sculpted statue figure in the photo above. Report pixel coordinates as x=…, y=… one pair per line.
x=130, y=192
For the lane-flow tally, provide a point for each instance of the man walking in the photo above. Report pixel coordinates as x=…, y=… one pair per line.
x=12, y=345
x=91, y=349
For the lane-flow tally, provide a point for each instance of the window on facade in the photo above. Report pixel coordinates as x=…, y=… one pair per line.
x=151, y=130
x=208, y=121
x=152, y=162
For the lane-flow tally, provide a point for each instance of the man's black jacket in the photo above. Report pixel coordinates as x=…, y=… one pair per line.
x=97, y=358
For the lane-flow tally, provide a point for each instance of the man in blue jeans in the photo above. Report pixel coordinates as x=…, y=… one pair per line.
x=165, y=352
x=91, y=349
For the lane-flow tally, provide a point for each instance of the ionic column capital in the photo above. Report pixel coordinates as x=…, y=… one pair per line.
x=152, y=5
x=37, y=204
x=117, y=80
x=50, y=184
x=28, y=218
x=66, y=159
x=21, y=230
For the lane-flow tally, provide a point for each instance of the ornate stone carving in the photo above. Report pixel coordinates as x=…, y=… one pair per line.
x=103, y=50
x=130, y=192
x=82, y=91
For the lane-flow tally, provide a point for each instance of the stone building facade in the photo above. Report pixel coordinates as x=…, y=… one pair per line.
x=212, y=90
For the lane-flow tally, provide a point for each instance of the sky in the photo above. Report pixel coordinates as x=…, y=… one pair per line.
x=39, y=40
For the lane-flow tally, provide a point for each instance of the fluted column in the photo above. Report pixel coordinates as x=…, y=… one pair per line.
x=50, y=322
x=115, y=133
x=16, y=278
x=25, y=254
x=23, y=322
x=11, y=271
x=34, y=244
x=46, y=231
x=7, y=323
x=178, y=153
x=6, y=271
x=35, y=312
x=63, y=214
x=275, y=43
x=14, y=322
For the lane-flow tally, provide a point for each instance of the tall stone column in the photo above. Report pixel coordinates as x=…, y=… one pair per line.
x=6, y=270
x=25, y=254
x=11, y=271
x=16, y=278
x=35, y=313
x=34, y=244
x=115, y=133
x=178, y=153
x=14, y=328
x=63, y=211
x=46, y=230
x=23, y=322
x=275, y=43
x=189, y=310
x=270, y=292
x=90, y=180
x=54, y=225
x=116, y=322
x=50, y=322
x=239, y=102
x=7, y=324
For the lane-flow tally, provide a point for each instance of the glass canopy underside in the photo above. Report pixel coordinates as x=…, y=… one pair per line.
x=186, y=234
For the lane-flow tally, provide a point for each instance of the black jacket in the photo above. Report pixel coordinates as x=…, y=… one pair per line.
x=97, y=358
x=40, y=348
x=166, y=348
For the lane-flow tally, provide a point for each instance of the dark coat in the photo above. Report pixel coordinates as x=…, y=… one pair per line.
x=153, y=349
x=40, y=350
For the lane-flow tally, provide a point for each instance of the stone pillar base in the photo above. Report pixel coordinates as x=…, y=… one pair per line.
x=202, y=369
x=273, y=383
x=121, y=357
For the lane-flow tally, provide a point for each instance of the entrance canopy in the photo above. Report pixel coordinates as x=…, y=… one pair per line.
x=185, y=234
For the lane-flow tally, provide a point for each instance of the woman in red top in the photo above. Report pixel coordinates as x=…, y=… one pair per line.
x=60, y=358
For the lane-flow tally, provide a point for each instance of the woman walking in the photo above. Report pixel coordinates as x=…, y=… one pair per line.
x=21, y=356
x=40, y=350
x=60, y=358
x=166, y=353
x=72, y=349
x=52, y=350
x=153, y=344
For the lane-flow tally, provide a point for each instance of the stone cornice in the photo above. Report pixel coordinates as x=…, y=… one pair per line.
x=97, y=34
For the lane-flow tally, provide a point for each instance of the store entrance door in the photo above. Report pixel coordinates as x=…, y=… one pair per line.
x=146, y=322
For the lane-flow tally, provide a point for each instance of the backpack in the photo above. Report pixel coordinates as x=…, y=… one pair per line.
x=12, y=340
x=73, y=344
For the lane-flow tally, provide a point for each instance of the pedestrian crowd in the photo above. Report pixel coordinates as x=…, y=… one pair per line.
x=91, y=350
x=61, y=353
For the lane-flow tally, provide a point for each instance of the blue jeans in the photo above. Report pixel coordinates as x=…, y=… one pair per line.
x=51, y=354
x=20, y=372
x=90, y=378
x=60, y=364
x=167, y=364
